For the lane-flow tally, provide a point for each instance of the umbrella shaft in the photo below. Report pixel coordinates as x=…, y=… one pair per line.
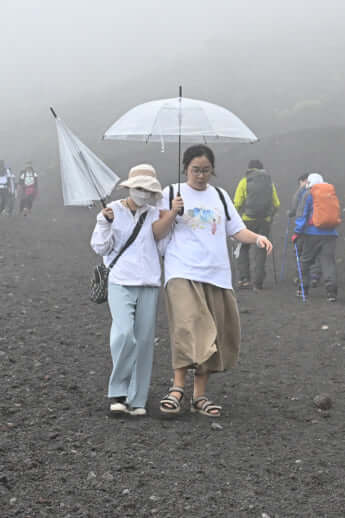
x=179, y=140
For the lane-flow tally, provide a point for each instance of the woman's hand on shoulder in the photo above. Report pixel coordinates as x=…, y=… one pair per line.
x=108, y=213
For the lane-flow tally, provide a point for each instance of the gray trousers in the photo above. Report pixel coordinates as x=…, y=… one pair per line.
x=262, y=227
x=133, y=310
x=320, y=248
x=4, y=194
x=315, y=269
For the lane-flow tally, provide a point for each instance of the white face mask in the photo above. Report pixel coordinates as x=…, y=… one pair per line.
x=141, y=198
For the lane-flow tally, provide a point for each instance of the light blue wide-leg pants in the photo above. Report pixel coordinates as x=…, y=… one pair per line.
x=133, y=311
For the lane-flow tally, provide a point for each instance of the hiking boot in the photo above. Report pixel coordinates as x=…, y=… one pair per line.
x=299, y=293
x=244, y=284
x=331, y=297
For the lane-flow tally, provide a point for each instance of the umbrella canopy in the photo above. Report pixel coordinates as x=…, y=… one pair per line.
x=190, y=119
x=85, y=178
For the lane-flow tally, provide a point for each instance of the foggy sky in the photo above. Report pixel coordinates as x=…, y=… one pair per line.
x=267, y=61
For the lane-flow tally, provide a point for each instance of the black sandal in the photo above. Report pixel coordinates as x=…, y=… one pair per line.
x=207, y=408
x=171, y=404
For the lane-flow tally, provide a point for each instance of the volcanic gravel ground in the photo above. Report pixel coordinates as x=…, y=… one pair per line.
x=62, y=455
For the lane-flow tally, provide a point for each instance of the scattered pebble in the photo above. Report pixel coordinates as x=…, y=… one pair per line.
x=91, y=475
x=323, y=401
x=245, y=310
x=324, y=413
x=108, y=476
x=324, y=328
x=216, y=426
x=125, y=492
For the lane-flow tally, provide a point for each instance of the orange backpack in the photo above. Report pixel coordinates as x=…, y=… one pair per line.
x=326, y=206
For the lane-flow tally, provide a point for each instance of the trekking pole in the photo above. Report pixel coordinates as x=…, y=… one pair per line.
x=282, y=272
x=234, y=256
x=300, y=273
x=274, y=266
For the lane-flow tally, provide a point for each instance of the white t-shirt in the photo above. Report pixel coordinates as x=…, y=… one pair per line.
x=197, y=248
x=139, y=265
x=3, y=182
x=28, y=178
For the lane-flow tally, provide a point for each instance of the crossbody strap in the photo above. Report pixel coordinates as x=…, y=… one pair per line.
x=222, y=199
x=130, y=239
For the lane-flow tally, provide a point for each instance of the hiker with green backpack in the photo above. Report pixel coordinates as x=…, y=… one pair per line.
x=257, y=201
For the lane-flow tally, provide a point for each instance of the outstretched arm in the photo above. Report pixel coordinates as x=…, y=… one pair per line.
x=251, y=238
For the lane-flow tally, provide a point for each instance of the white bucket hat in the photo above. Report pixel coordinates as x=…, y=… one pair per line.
x=313, y=179
x=144, y=176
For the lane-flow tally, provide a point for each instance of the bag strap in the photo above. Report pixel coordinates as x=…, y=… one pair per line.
x=220, y=194
x=222, y=199
x=131, y=238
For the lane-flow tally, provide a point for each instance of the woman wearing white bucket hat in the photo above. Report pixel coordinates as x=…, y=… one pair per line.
x=133, y=287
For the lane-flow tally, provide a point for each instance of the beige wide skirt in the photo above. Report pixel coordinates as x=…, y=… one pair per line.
x=204, y=325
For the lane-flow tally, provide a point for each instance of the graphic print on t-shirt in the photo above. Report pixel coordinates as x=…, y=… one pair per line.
x=200, y=218
x=29, y=179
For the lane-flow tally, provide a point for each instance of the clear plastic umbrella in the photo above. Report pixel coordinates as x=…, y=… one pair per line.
x=171, y=120
x=85, y=178
x=167, y=119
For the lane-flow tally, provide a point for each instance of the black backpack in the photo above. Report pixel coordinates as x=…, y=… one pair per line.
x=259, y=194
x=220, y=194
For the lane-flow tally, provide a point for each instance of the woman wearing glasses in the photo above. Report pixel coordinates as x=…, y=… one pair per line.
x=202, y=310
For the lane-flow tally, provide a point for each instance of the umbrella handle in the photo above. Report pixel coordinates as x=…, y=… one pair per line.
x=181, y=211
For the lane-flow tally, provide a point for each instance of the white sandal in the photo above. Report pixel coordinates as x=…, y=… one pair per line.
x=207, y=408
x=171, y=404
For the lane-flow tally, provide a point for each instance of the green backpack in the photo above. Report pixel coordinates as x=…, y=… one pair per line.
x=259, y=194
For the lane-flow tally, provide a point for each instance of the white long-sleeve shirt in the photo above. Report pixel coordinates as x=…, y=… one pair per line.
x=139, y=265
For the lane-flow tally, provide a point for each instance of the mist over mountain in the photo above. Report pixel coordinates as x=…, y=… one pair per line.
x=281, y=69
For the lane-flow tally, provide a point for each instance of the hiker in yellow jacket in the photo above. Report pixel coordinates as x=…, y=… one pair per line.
x=257, y=201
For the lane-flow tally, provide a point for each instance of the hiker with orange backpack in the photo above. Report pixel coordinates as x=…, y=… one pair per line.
x=296, y=211
x=320, y=215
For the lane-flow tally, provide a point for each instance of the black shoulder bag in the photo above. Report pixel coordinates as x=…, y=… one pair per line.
x=99, y=281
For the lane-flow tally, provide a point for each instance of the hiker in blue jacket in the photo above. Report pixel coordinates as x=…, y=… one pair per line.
x=317, y=243
x=296, y=211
